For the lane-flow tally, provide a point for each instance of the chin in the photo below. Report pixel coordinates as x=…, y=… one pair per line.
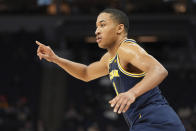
x=101, y=45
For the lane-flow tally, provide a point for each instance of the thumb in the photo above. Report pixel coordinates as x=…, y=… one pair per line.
x=42, y=56
x=39, y=54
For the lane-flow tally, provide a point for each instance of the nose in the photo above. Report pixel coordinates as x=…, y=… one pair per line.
x=97, y=31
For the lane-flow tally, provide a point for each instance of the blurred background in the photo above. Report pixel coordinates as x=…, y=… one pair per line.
x=39, y=96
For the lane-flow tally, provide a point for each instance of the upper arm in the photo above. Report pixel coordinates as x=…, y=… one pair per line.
x=98, y=68
x=138, y=57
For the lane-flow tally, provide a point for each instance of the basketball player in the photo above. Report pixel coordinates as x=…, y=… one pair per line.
x=134, y=73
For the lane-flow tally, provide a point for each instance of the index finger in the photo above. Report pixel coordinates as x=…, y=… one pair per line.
x=38, y=43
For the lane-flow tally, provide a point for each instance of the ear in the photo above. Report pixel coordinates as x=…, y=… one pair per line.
x=120, y=28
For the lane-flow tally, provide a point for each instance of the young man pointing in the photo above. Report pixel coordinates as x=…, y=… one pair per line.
x=134, y=73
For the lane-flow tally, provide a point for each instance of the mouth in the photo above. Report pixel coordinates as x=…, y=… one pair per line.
x=98, y=39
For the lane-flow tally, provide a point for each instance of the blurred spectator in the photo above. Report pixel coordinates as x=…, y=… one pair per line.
x=93, y=127
x=67, y=7
x=44, y=2
x=188, y=116
x=16, y=116
x=3, y=102
x=64, y=8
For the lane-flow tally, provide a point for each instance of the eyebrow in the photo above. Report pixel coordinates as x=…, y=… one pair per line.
x=101, y=21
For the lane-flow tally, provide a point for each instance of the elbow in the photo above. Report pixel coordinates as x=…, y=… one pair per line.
x=164, y=73
x=86, y=80
x=160, y=71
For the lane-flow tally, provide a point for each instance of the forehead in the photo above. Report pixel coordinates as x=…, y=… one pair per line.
x=104, y=17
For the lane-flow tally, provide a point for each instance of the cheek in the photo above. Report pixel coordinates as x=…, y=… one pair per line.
x=110, y=33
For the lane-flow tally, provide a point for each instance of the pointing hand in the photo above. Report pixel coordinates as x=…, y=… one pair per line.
x=45, y=52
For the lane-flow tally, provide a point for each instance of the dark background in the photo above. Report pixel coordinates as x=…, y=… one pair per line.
x=39, y=96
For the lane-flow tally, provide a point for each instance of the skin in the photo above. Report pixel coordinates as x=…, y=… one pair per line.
x=109, y=35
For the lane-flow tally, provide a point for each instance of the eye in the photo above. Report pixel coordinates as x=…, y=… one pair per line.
x=102, y=25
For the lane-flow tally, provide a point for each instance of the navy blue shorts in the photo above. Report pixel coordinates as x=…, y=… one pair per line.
x=157, y=117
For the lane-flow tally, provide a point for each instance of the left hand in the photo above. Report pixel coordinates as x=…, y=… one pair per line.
x=122, y=102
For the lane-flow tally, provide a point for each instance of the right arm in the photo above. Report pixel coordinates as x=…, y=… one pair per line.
x=77, y=70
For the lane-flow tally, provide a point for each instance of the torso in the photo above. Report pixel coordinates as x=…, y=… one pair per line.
x=125, y=64
x=122, y=73
x=125, y=76
x=149, y=105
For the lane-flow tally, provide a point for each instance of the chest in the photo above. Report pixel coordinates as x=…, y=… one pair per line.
x=125, y=65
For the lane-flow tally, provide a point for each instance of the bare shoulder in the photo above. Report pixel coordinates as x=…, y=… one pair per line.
x=105, y=57
x=105, y=60
x=131, y=50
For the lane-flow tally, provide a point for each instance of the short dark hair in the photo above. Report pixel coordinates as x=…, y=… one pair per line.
x=118, y=15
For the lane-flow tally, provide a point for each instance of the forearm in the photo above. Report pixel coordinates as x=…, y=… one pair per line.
x=151, y=80
x=77, y=70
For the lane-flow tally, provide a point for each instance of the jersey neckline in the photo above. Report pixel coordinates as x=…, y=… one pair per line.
x=126, y=40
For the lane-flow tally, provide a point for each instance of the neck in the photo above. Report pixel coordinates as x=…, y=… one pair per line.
x=113, y=49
